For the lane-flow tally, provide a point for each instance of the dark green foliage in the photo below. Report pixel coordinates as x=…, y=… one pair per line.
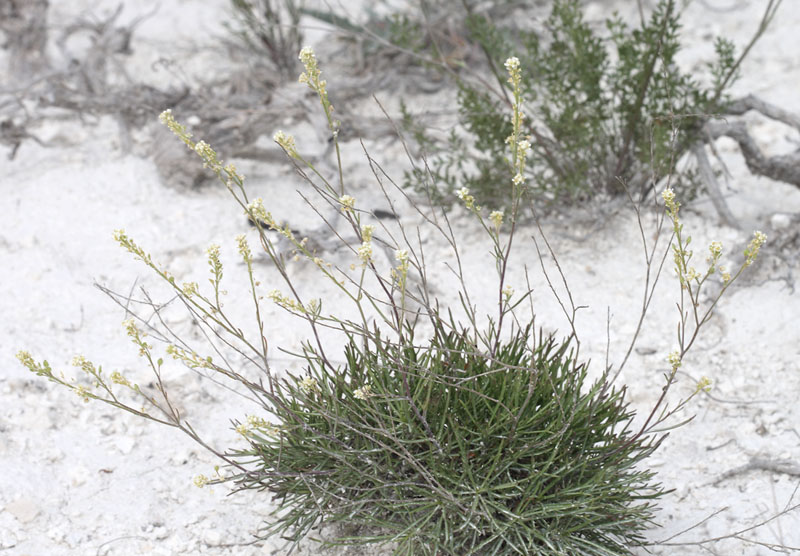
x=456, y=452
x=604, y=110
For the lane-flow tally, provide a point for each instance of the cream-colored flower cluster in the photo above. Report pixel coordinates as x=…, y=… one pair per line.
x=285, y=301
x=496, y=218
x=674, y=360
x=519, y=145
x=365, y=252
x=469, y=200
x=688, y=275
x=168, y=120
x=311, y=77
x=365, y=249
x=30, y=363
x=203, y=149
x=190, y=289
x=257, y=424
x=308, y=385
x=244, y=249
x=83, y=364
x=287, y=143
x=191, y=360
x=233, y=173
x=348, y=203
x=680, y=254
x=703, y=384
x=751, y=252
x=137, y=336
x=669, y=200
x=713, y=259
x=87, y=367
x=715, y=250
x=515, y=74
x=256, y=210
x=209, y=156
x=312, y=74
x=401, y=272
x=119, y=378
x=122, y=238
x=259, y=215
x=82, y=392
x=214, y=263
x=363, y=393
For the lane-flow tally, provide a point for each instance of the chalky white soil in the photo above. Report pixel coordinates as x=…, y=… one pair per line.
x=86, y=479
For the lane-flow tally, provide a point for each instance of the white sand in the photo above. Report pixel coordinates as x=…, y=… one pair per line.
x=87, y=479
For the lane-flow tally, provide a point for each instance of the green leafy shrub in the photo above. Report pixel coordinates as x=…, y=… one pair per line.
x=445, y=450
x=608, y=112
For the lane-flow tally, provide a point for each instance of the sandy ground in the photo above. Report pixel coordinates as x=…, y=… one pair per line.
x=87, y=479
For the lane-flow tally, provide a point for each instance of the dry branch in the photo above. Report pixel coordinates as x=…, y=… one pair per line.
x=785, y=168
x=761, y=463
x=707, y=174
x=23, y=23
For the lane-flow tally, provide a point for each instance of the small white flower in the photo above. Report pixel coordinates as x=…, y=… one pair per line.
x=363, y=393
x=365, y=252
x=308, y=384
x=244, y=248
x=512, y=64
x=117, y=378
x=190, y=288
x=347, y=202
x=759, y=238
x=496, y=217
x=366, y=232
x=307, y=55
x=469, y=200
x=704, y=384
x=286, y=142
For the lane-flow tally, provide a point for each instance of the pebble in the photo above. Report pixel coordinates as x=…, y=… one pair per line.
x=160, y=532
x=780, y=221
x=24, y=509
x=53, y=455
x=125, y=444
x=7, y=539
x=57, y=534
x=182, y=457
x=77, y=475
x=212, y=537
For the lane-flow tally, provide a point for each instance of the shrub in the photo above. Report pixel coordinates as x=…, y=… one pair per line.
x=608, y=112
x=272, y=30
x=445, y=450
x=480, y=439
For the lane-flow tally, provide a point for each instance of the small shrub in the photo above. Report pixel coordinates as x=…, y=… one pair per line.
x=608, y=112
x=271, y=29
x=481, y=439
x=445, y=450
